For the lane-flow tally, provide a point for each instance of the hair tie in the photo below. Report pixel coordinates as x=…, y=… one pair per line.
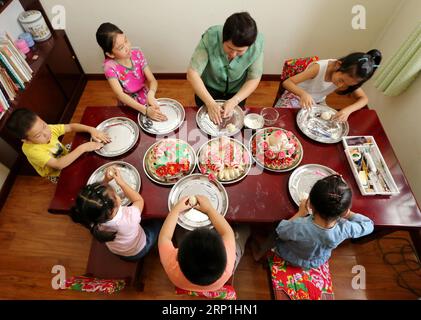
x=375, y=65
x=363, y=59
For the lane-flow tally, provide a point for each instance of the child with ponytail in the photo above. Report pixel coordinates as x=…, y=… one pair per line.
x=98, y=208
x=345, y=76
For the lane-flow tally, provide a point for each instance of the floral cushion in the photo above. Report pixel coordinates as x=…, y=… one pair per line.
x=299, y=283
x=88, y=284
x=227, y=292
x=295, y=66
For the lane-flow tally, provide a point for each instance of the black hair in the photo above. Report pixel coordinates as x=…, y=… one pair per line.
x=93, y=207
x=241, y=29
x=105, y=36
x=361, y=66
x=202, y=256
x=20, y=122
x=331, y=197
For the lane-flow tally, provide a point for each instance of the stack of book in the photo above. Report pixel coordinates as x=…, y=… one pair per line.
x=14, y=72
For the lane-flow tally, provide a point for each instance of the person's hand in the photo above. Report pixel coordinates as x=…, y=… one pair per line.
x=229, y=106
x=92, y=146
x=214, y=111
x=100, y=136
x=341, y=116
x=182, y=205
x=306, y=101
x=109, y=174
x=203, y=204
x=303, y=209
x=155, y=114
x=152, y=100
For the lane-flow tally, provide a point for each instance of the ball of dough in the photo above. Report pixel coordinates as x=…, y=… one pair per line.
x=304, y=196
x=326, y=115
x=231, y=127
x=192, y=201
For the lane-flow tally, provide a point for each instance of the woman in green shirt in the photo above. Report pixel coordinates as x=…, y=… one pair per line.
x=227, y=64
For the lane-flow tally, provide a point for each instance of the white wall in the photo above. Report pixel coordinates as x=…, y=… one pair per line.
x=168, y=31
x=401, y=115
x=9, y=19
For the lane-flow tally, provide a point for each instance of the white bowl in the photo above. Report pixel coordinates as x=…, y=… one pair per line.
x=254, y=121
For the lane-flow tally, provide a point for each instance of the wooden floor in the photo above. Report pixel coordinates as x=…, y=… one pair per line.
x=32, y=241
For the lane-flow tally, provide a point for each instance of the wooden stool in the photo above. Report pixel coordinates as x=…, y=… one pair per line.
x=102, y=263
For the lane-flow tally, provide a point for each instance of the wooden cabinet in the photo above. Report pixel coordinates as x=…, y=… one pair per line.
x=55, y=89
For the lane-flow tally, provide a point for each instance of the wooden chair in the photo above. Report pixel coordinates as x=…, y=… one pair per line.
x=291, y=68
x=102, y=263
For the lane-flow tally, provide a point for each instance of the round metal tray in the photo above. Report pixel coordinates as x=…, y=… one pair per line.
x=238, y=144
x=198, y=184
x=324, y=131
x=208, y=127
x=124, y=134
x=128, y=172
x=175, y=113
x=262, y=164
x=303, y=179
x=172, y=182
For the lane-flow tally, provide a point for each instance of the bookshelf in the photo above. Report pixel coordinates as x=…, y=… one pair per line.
x=53, y=92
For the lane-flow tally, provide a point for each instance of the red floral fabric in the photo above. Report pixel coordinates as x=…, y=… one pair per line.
x=94, y=285
x=299, y=283
x=227, y=292
x=295, y=66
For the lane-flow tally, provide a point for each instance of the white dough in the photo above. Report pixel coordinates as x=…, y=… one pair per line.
x=231, y=127
x=192, y=201
x=326, y=115
x=303, y=196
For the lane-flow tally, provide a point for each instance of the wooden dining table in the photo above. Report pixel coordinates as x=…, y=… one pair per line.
x=262, y=196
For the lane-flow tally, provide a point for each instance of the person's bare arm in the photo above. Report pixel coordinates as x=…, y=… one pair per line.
x=199, y=88
x=96, y=135
x=135, y=198
x=64, y=161
x=245, y=91
x=291, y=84
x=361, y=102
x=218, y=221
x=168, y=228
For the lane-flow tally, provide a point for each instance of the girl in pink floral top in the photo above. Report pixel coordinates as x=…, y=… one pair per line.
x=128, y=72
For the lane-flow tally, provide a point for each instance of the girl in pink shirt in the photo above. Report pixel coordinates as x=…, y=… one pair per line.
x=127, y=72
x=98, y=208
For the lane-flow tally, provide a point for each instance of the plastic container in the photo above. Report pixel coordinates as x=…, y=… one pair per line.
x=33, y=22
x=270, y=115
x=371, y=172
x=28, y=39
x=22, y=46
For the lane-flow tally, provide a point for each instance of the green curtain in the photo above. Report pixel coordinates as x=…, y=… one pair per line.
x=395, y=76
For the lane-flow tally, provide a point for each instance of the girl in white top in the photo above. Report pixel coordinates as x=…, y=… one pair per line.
x=345, y=76
x=98, y=208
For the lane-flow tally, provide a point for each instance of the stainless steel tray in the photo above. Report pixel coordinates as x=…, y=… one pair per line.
x=155, y=178
x=303, y=179
x=124, y=134
x=128, y=172
x=198, y=184
x=324, y=131
x=261, y=131
x=175, y=113
x=208, y=127
x=203, y=156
